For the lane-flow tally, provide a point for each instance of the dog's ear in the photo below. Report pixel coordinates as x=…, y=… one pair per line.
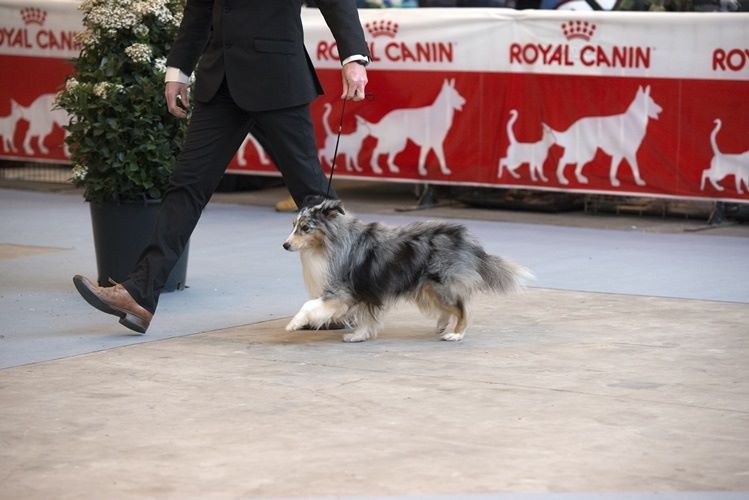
x=331, y=208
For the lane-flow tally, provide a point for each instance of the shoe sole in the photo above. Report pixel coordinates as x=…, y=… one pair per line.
x=127, y=319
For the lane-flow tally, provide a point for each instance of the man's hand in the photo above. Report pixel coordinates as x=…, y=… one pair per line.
x=354, y=81
x=177, y=99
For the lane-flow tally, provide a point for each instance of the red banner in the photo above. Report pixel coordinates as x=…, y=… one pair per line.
x=615, y=103
x=37, y=39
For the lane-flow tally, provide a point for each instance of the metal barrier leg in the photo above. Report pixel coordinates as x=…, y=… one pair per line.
x=427, y=199
x=718, y=215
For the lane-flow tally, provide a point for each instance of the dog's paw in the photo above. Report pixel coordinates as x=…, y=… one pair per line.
x=453, y=337
x=295, y=325
x=355, y=337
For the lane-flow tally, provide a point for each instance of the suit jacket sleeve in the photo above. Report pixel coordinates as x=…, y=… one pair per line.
x=192, y=36
x=342, y=18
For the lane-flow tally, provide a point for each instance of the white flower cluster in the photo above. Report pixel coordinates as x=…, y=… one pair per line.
x=160, y=65
x=141, y=30
x=106, y=89
x=158, y=8
x=139, y=52
x=111, y=16
x=71, y=84
x=79, y=172
x=86, y=38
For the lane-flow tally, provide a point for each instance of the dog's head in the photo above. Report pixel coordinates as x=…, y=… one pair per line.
x=652, y=109
x=454, y=98
x=312, y=225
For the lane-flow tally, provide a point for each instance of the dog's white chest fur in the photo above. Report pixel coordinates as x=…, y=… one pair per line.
x=314, y=270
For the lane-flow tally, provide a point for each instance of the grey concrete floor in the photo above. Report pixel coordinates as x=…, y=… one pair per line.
x=622, y=373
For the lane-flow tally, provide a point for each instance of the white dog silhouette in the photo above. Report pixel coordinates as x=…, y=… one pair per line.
x=619, y=136
x=427, y=127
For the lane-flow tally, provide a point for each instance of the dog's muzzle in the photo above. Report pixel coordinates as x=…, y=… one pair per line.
x=287, y=245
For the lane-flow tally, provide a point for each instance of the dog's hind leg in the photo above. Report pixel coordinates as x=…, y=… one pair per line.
x=427, y=301
x=449, y=306
x=440, y=152
x=459, y=311
x=443, y=322
x=632, y=160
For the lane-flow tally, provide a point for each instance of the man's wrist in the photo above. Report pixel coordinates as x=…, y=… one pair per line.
x=363, y=60
x=175, y=75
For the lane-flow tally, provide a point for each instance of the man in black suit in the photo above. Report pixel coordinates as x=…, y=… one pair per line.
x=254, y=76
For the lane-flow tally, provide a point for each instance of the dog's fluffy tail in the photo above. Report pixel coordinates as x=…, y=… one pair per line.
x=502, y=275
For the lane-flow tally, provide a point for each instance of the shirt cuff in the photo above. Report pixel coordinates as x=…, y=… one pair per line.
x=355, y=57
x=176, y=75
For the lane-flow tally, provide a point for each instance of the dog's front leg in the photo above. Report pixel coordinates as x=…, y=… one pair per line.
x=316, y=313
x=367, y=328
x=362, y=333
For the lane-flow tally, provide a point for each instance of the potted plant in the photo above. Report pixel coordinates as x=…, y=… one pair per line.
x=122, y=139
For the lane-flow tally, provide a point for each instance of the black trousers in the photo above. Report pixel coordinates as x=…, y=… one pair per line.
x=216, y=130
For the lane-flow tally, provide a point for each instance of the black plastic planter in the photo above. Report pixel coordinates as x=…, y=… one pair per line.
x=121, y=232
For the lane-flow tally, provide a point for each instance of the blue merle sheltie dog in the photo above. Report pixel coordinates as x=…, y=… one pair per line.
x=356, y=270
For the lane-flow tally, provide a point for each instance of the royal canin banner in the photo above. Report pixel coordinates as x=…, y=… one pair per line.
x=37, y=41
x=651, y=104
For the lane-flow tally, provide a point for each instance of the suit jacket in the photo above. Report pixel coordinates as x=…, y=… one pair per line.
x=259, y=46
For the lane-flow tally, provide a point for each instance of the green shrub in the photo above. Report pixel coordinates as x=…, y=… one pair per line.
x=122, y=139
